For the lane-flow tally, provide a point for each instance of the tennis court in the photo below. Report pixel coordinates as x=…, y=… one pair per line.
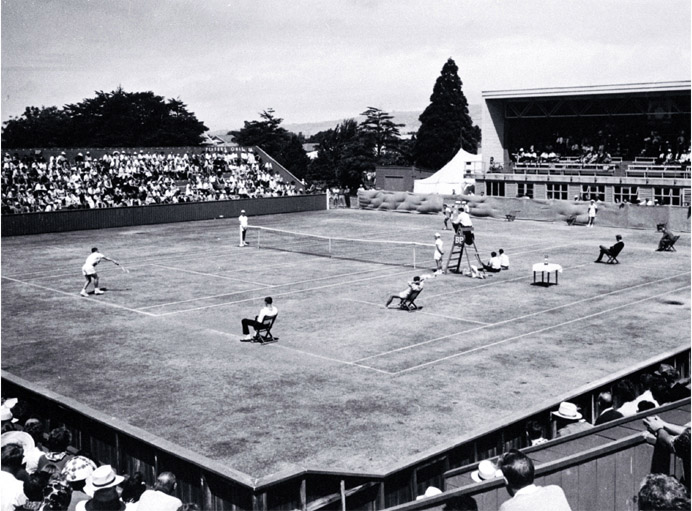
x=349, y=385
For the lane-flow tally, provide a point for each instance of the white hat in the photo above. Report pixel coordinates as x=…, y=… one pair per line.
x=430, y=492
x=102, y=477
x=242, y=211
x=437, y=234
x=568, y=411
x=20, y=438
x=5, y=414
x=486, y=470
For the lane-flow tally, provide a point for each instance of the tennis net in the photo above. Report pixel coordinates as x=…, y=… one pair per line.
x=397, y=253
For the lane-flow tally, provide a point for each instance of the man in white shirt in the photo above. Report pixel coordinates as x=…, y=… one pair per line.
x=504, y=260
x=242, y=220
x=518, y=472
x=89, y=271
x=494, y=264
x=267, y=311
x=11, y=489
x=439, y=251
x=161, y=497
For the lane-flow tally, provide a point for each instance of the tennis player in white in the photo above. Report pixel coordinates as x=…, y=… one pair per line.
x=242, y=220
x=89, y=271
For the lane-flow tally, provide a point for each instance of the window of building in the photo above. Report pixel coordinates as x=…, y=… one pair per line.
x=556, y=191
x=626, y=194
x=525, y=190
x=593, y=192
x=667, y=196
x=495, y=188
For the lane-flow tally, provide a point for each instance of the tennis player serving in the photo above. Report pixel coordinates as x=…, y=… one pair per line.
x=89, y=271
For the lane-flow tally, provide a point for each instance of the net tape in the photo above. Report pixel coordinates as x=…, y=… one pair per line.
x=397, y=253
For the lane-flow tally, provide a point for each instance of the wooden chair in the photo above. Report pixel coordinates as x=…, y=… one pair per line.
x=263, y=334
x=408, y=304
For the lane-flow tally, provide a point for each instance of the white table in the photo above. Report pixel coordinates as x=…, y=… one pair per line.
x=545, y=270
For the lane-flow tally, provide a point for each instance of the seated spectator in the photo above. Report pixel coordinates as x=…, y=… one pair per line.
x=461, y=503
x=35, y=429
x=133, y=488
x=518, y=472
x=101, y=485
x=504, y=260
x=58, y=441
x=624, y=397
x=613, y=251
x=75, y=473
x=161, y=497
x=536, y=433
x=677, y=388
x=667, y=240
x=486, y=470
x=414, y=286
x=662, y=492
x=604, y=405
x=568, y=420
x=493, y=265
x=11, y=488
x=57, y=497
x=646, y=383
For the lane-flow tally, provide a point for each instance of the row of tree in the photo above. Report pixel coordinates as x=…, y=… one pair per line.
x=345, y=153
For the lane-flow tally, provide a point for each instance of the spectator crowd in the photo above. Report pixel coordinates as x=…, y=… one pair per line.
x=33, y=183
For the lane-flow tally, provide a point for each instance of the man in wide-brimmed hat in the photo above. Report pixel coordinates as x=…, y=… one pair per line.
x=101, y=485
x=568, y=420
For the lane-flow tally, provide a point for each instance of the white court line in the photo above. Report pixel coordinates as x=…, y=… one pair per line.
x=81, y=298
x=520, y=317
x=216, y=276
x=267, y=286
x=538, y=331
x=379, y=305
x=282, y=294
x=355, y=364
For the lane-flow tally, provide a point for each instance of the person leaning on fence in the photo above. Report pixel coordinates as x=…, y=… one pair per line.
x=518, y=472
x=415, y=286
x=267, y=311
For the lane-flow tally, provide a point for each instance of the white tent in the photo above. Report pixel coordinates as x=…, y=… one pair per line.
x=455, y=177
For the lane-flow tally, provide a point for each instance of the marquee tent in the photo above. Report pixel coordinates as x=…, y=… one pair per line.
x=455, y=177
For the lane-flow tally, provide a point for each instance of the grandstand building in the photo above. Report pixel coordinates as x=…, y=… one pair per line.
x=536, y=143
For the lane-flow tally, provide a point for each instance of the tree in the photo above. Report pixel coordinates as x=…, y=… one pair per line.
x=446, y=125
x=110, y=119
x=284, y=146
x=380, y=131
x=344, y=154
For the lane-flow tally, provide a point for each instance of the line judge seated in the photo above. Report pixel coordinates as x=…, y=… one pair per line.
x=268, y=311
x=613, y=251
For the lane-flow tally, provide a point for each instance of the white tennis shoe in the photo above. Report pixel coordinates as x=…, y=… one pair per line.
x=98, y=292
x=83, y=293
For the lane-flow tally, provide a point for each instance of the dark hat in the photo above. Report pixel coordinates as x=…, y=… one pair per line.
x=106, y=499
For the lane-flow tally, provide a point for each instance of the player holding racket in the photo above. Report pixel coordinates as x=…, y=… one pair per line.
x=89, y=271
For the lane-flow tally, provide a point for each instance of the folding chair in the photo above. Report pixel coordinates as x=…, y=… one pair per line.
x=613, y=257
x=263, y=334
x=668, y=244
x=571, y=220
x=408, y=304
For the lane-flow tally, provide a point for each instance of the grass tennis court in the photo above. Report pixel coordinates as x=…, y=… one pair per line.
x=349, y=385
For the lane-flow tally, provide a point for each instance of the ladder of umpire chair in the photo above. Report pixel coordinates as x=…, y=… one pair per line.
x=459, y=248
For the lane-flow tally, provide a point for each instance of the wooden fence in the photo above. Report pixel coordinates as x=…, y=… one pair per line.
x=217, y=487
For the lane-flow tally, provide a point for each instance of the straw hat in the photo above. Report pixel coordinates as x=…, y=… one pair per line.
x=430, y=492
x=486, y=470
x=20, y=438
x=102, y=477
x=568, y=411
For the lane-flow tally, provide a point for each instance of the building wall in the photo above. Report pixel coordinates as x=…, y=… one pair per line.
x=493, y=132
x=398, y=179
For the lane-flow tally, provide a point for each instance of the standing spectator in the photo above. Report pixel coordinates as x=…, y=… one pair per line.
x=102, y=486
x=439, y=252
x=34, y=427
x=447, y=212
x=242, y=220
x=12, y=489
x=668, y=439
x=518, y=472
x=133, y=488
x=593, y=209
x=58, y=441
x=161, y=497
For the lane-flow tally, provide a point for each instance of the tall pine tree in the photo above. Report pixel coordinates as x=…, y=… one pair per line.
x=446, y=125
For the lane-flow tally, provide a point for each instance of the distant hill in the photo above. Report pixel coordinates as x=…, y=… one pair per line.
x=408, y=118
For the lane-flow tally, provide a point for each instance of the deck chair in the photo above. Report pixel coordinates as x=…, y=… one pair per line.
x=408, y=304
x=571, y=220
x=613, y=256
x=263, y=334
x=668, y=244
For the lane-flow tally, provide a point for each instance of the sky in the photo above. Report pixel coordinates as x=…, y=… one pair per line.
x=317, y=60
